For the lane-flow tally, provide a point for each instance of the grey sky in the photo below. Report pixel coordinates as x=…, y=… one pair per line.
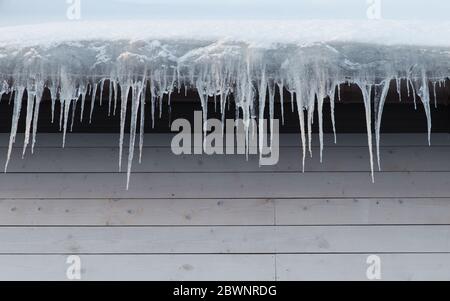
x=15, y=12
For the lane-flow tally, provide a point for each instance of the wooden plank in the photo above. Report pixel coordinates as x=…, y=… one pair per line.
x=353, y=267
x=226, y=185
x=414, y=158
x=362, y=211
x=210, y=212
x=290, y=267
x=140, y=267
x=163, y=160
x=224, y=239
x=160, y=140
x=137, y=212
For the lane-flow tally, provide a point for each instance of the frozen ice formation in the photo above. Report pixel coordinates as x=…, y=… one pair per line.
x=245, y=62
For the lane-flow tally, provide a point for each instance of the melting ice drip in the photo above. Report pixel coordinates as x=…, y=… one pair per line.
x=225, y=70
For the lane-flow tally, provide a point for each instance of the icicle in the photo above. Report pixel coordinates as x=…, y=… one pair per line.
x=102, y=85
x=204, y=103
x=414, y=94
x=110, y=94
x=123, y=115
x=398, y=82
x=381, y=101
x=424, y=94
x=261, y=107
x=332, y=100
x=10, y=97
x=407, y=87
x=320, y=99
x=281, y=90
x=66, y=110
x=18, y=96
x=142, y=120
x=54, y=95
x=153, y=102
x=38, y=98
x=435, y=95
x=271, y=109
x=29, y=119
x=311, y=109
x=301, y=117
x=135, y=101
x=366, y=90
x=339, y=91
x=74, y=108
x=93, y=97
x=83, y=101
x=61, y=113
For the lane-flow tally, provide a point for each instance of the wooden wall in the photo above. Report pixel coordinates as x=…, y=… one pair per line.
x=225, y=218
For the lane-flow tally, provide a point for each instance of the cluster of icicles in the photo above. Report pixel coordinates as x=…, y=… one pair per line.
x=251, y=83
x=250, y=96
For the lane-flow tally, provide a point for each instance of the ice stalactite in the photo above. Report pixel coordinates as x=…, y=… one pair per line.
x=261, y=108
x=29, y=118
x=110, y=96
x=123, y=113
x=143, y=97
x=332, y=96
x=137, y=94
x=280, y=85
x=68, y=93
x=366, y=90
x=311, y=103
x=93, y=99
x=424, y=94
x=380, y=99
x=37, y=105
x=18, y=94
x=83, y=102
x=301, y=117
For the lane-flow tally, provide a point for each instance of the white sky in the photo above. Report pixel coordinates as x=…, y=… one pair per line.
x=13, y=12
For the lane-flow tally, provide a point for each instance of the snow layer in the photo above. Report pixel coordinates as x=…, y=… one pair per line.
x=242, y=61
x=257, y=32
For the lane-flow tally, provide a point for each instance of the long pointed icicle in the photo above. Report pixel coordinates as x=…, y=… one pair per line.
x=123, y=114
x=301, y=117
x=29, y=118
x=424, y=94
x=142, y=118
x=261, y=107
x=381, y=102
x=37, y=105
x=366, y=90
x=93, y=97
x=281, y=91
x=320, y=99
x=332, y=105
x=135, y=102
x=83, y=101
x=271, y=87
x=66, y=110
x=311, y=108
x=18, y=95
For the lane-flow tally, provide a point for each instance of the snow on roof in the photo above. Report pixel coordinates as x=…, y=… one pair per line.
x=257, y=32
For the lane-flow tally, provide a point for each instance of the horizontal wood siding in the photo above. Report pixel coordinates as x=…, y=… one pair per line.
x=222, y=217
